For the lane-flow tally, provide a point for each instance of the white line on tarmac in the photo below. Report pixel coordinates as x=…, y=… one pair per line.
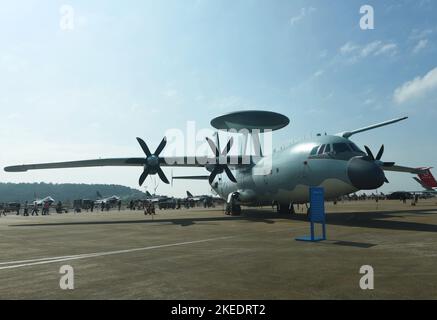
x=33, y=262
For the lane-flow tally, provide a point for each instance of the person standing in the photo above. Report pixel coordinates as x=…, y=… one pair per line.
x=35, y=209
x=46, y=208
x=25, y=210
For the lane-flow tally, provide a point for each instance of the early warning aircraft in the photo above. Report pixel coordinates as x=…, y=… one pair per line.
x=333, y=162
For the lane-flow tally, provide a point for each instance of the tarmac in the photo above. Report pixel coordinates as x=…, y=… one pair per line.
x=204, y=254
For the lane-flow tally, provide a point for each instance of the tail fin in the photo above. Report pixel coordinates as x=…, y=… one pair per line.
x=427, y=180
x=189, y=194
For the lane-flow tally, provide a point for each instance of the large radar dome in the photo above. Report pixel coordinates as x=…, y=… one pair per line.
x=251, y=120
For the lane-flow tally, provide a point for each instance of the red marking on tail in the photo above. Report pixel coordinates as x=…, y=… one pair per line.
x=428, y=179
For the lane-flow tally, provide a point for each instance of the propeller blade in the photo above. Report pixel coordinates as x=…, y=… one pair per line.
x=161, y=146
x=213, y=147
x=144, y=146
x=230, y=175
x=213, y=175
x=161, y=175
x=388, y=164
x=228, y=146
x=369, y=153
x=380, y=153
x=143, y=176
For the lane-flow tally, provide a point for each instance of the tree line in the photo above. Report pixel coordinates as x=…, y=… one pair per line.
x=20, y=192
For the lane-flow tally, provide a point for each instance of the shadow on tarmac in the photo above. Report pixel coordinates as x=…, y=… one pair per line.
x=374, y=220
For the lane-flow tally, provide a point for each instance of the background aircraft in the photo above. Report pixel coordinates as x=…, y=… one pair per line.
x=110, y=200
x=156, y=198
x=333, y=162
x=190, y=197
x=40, y=202
x=427, y=180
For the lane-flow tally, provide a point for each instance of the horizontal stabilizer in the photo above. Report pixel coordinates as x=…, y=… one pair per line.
x=404, y=169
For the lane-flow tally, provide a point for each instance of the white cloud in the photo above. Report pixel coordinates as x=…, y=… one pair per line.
x=302, y=14
x=370, y=48
x=420, y=45
x=323, y=54
x=369, y=101
x=375, y=48
x=318, y=73
x=387, y=49
x=417, y=34
x=348, y=48
x=418, y=87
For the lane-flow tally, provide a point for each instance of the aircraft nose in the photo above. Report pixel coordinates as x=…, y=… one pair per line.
x=365, y=174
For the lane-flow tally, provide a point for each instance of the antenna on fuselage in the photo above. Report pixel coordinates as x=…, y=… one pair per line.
x=348, y=134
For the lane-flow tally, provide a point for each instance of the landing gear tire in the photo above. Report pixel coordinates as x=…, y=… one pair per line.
x=233, y=209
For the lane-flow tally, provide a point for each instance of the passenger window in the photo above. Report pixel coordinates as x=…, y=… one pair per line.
x=321, y=149
x=314, y=151
x=341, y=147
x=328, y=148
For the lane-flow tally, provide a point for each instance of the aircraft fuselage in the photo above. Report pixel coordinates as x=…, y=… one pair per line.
x=286, y=175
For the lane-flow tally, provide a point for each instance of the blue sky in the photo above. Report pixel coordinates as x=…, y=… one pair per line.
x=138, y=68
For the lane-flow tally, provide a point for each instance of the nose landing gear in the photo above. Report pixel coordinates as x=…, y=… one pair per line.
x=233, y=207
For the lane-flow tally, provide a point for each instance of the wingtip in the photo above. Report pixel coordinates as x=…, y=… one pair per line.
x=15, y=169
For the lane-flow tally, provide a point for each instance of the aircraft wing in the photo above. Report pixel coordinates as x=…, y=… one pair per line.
x=191, y=178
x=121, y=162
x=404, y=169
x=74, y=164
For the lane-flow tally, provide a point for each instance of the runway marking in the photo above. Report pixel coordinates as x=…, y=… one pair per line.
x=39, y=261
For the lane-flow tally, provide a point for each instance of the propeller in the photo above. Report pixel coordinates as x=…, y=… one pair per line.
x=151, y=163
x=220, y=168
x=377, y=160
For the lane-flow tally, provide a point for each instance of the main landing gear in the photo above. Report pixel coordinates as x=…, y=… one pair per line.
x=285, y=208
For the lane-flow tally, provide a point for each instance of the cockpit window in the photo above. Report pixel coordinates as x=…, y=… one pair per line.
x=341, y=147
x=354, y=147
x=327, y=148
x=314, y=151
x=322, y=148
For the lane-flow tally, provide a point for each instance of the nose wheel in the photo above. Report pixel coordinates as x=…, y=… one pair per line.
x=233, y=209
